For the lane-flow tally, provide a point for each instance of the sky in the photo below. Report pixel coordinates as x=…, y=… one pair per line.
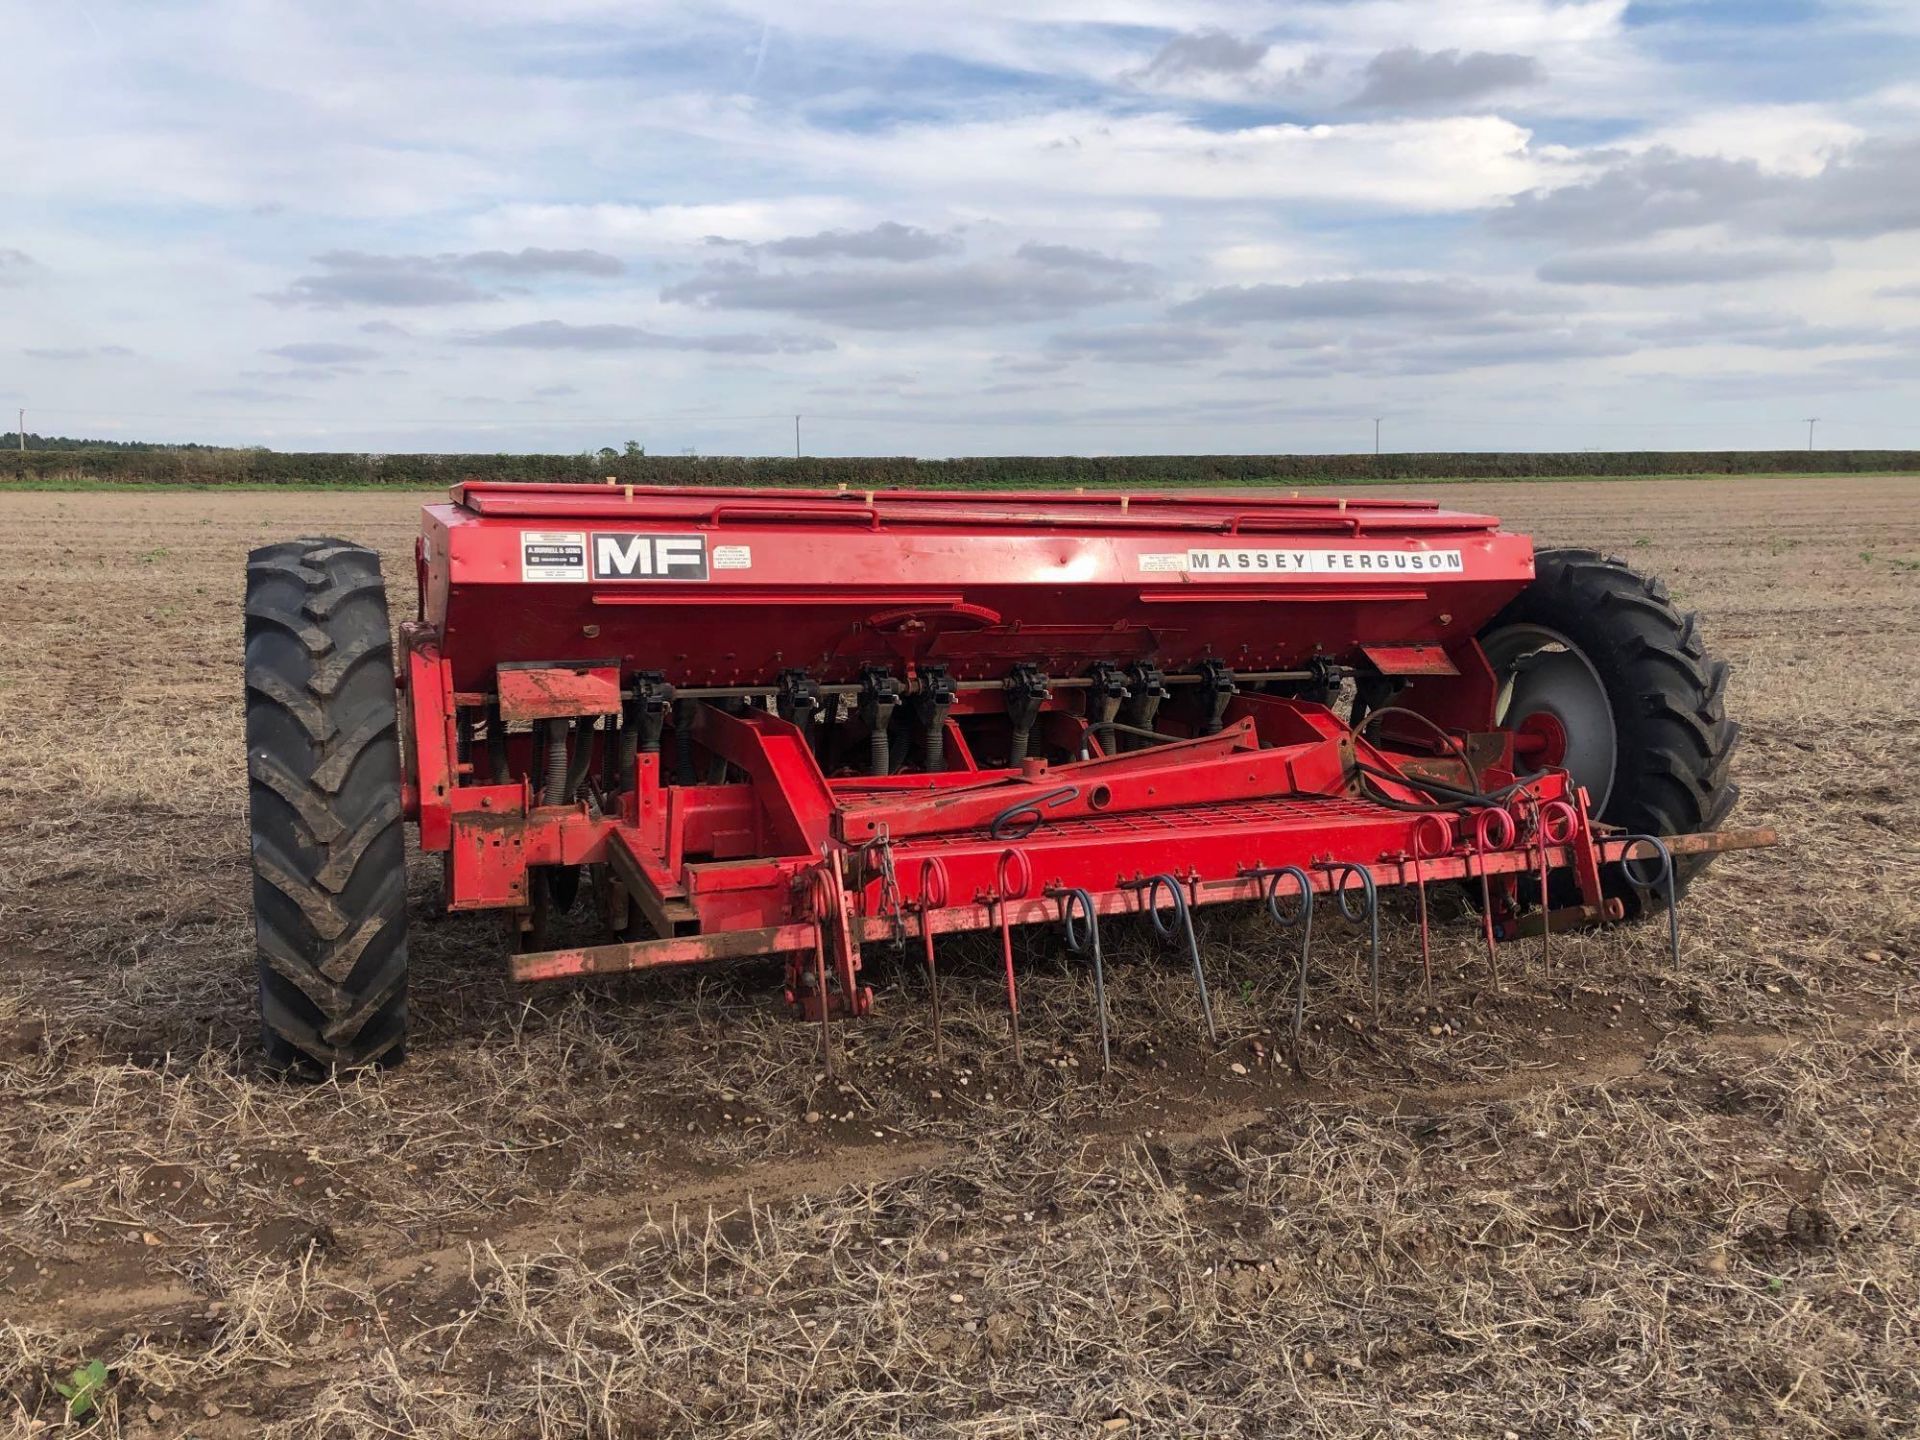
x=1000, y=227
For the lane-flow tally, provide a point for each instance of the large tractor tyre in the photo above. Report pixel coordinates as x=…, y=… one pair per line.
x=1614, y=683
x=323, y=765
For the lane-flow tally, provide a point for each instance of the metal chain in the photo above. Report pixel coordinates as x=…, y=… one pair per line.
x=891, y=906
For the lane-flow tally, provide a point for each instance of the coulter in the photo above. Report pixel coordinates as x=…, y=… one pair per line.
x=792, y=723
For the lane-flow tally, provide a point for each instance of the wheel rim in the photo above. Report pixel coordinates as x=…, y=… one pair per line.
x=1544, y=674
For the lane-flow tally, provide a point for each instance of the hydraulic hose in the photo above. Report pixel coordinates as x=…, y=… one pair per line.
x=1447, y=740
x=629, y=748
x=1448, y=798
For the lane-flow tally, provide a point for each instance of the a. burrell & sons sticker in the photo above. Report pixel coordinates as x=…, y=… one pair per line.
x=553, y=554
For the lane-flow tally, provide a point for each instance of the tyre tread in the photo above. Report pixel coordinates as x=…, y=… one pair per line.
x=1673, y=761
x=324, y=770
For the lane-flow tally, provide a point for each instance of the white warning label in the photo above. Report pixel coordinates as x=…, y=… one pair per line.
x=733, y=557
x=553, y=555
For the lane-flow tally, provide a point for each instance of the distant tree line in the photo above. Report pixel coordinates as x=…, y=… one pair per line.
x=209, y=465
x=10, y=440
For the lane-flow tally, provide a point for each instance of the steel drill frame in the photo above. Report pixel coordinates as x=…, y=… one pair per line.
x=778, y=858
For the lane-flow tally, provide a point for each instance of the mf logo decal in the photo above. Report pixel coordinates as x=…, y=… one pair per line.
x=627, y=556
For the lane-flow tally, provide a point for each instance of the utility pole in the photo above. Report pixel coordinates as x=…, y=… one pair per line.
x=23, y=431
x=796, y=437
x=1376, y=434
x=1812, y=420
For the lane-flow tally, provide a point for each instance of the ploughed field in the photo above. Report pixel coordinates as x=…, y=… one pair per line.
x=1613, y=1197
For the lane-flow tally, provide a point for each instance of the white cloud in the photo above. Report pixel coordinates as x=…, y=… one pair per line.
x=663, y=228
x=889, y=182
x=1447, y=163
x=1792, y=139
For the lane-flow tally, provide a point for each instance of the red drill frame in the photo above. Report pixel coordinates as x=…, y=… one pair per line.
x=554, y=606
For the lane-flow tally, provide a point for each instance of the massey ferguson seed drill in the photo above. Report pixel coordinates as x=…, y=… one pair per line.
x=793, y=723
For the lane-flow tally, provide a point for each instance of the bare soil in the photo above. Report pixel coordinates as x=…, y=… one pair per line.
x=1612, y=1197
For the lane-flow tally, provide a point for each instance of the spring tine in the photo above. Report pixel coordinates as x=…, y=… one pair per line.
x=821, y=997
x=1369, y=912
x=1486, y=921
x=1662, y=877
x=1546, y=896
x=933, y=896
x=1373, y=935
x=1545, y=815
x=1100, y=990
x=1300, y=989
x=1489, y=835
x=1076, y=907
x=825, y=1003
x=1426, y=945
x=1304, y=920
x=1164, y=929
x=1013, y=878
x=933, y=985
x=999, y=907
x=1432, y=837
